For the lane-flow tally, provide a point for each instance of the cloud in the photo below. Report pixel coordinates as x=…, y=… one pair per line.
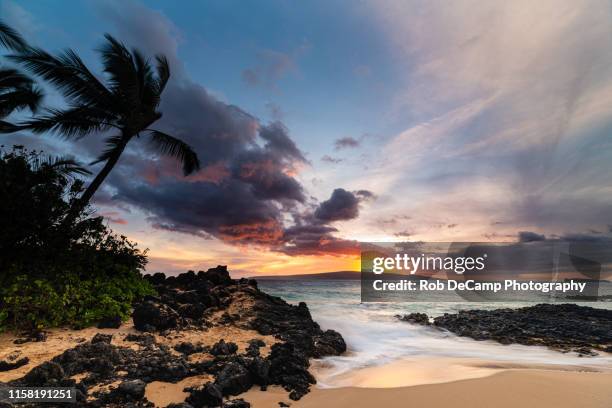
x=528, y=236
x=346, y=142
x=272, y=66
x=365, y=195
x=342, y=205
x=329, y=159
x=500, y=105
x=247, y=191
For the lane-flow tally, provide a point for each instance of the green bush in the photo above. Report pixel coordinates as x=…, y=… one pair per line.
x=35, y=304
x=55, y=273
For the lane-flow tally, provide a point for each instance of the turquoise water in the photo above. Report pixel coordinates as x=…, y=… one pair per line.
x=375, y=337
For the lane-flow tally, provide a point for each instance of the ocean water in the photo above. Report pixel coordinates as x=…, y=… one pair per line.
x=375, y=337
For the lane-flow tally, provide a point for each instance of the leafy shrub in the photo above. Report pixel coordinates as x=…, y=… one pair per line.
x=54, y=272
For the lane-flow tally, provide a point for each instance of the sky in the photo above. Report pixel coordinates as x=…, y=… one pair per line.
x=321, y=124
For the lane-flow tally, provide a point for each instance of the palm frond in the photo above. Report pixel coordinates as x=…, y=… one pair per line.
x=65, y=167
x=176, y=148
x=69, y=74
x=74, y=122
x=6, y=127
x=114, y=146
x=20, y=98
x=121, y=69
x=147, y=83
x=12, y=78
x=9, y=38
x=163, y=75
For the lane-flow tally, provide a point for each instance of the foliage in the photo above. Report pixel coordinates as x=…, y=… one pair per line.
x=54, y=272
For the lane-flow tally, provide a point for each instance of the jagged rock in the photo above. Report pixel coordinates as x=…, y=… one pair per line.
x=564, y=327
x=260, y=371
x=133, y=388
x=180, y=405
x=189, y=296
x=218, y=275
x=11, y=365
x=191, y=310
x=328, y=343
x=254, y=346
x=48, y=373
x=152, y=314
x=113, y=322
x=102, y=338
x=289, y=368
x=234, y=379
x=208, y=395
x=223, y=348
x=142, y=339
x=188, y=348
x=236, y=403
x=40, y=336
x=416, y=318
x=157, y=278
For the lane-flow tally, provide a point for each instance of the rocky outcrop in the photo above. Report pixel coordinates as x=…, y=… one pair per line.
x=563, y=327
x=153, y=315
x=196, y=301
x=417, y=318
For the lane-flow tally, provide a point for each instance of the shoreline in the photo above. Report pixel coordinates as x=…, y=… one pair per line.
x=208, y=340
x=505, y=389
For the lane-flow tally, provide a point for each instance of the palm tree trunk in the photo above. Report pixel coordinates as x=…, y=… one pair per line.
x=97, y=181
x=87, y=195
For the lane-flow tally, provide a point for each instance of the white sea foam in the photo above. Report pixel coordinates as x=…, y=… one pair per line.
x=375, y=337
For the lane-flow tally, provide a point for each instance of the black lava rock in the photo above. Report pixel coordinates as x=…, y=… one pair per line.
x=153, y=314
x=102, y=338
x=564, y=327
x=188, y=348
x=218, y=275
x=11, y=365
x=113, y=322
x=416, y=318
x=133, y=388
x=234, y=379
x=236, y=403
x=48, y=373
x=223, y=348
x=208, y=395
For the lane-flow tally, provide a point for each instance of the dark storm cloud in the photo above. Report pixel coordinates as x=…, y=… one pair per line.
x=246, y=188
x=342, y=205
x=528, y=236
x=316, y=240
x=277, y=140
x=264, y=170
x=346, y=142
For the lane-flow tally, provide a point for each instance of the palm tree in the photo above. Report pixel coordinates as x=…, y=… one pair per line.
x=17, y=91
x=11, y=39
x=126, y=103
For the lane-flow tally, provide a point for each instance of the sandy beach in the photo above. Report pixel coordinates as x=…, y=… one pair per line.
x=432, y=382
x=511, y=389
